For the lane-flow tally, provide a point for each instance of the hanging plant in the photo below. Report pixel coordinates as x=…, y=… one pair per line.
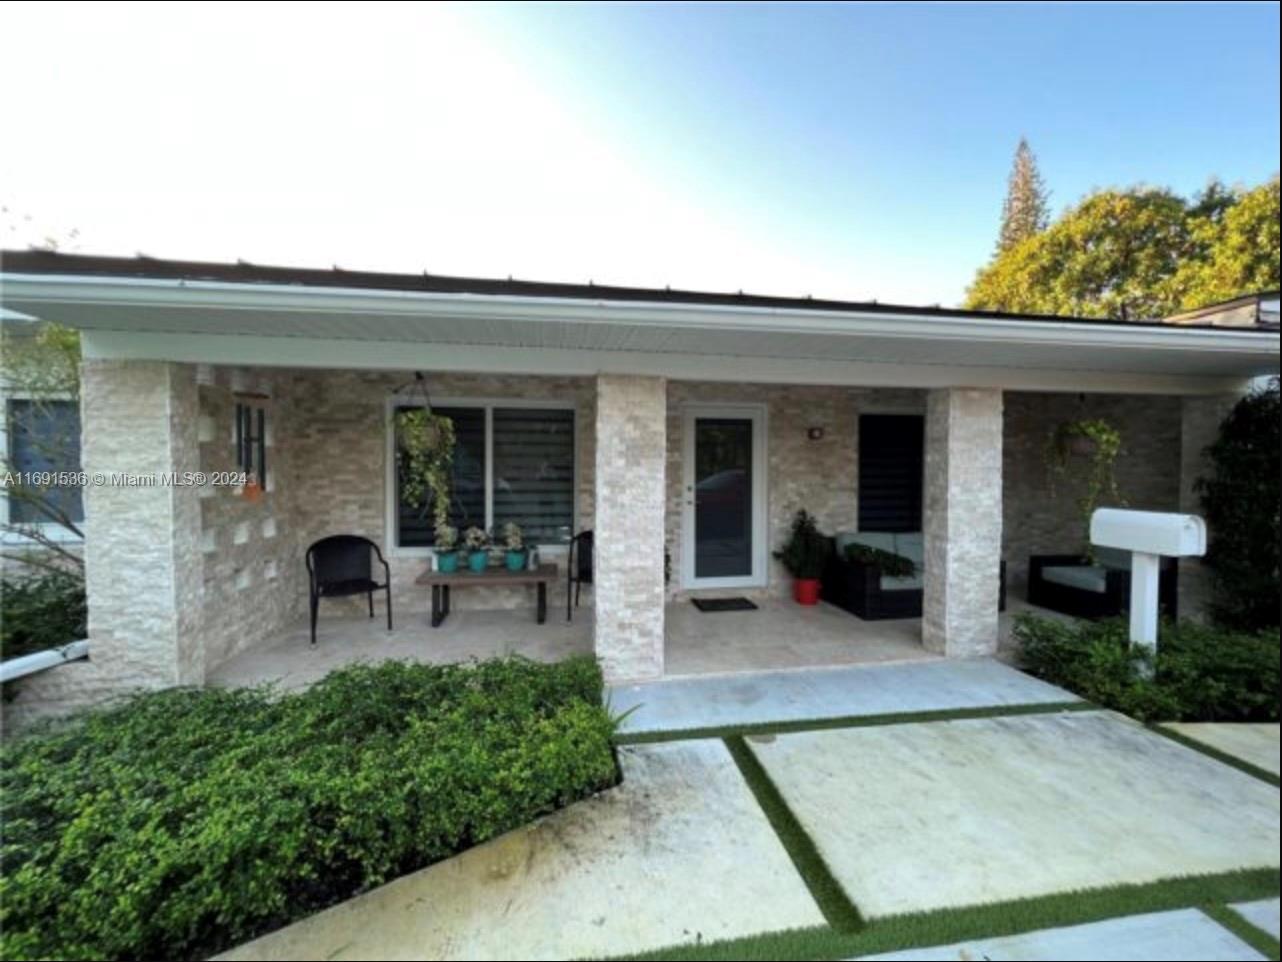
x=425, y=461
x=1086, y=450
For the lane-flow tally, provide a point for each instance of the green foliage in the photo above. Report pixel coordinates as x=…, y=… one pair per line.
x=425, y=442
x=1240, y=501
x=1199, y=674
x=186, y=821
x=806, y=551
x=891, y=564
x=1139, y=253
x=1098, y=480
x=1024, y=211
x=40, y=612
x=1240, y=249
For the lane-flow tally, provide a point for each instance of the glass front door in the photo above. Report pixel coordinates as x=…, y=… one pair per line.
x=723, y=516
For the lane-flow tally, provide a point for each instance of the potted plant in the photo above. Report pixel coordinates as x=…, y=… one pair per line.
x=514, y=542
x=477, y=543
x=425, y=460
x=1085, y=451
x=804, y=554
x=446, y=547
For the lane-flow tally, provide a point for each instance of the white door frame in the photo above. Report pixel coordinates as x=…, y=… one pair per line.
x=760, y=571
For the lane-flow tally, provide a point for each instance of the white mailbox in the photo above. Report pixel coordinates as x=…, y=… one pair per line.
x=1153, y=532
x=1148, y=535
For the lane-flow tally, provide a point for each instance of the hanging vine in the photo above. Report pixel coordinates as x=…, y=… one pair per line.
x=1096, y=442
x=425, y=447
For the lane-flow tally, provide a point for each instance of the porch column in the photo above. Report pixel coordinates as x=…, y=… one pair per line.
x=1200, y=419
x=963, y=521
x=143, y=568
x=631, y=456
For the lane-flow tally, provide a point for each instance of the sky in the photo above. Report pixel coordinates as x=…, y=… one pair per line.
x=850, y=151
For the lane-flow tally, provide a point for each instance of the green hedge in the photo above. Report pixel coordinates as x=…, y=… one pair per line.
x=41, y=612
x=186, y=821
x=1200, y=673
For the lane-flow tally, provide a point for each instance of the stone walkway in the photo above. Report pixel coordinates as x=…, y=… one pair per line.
x=1158, y=937
x=750, y=699
x=1255, y=744
x=909, y=815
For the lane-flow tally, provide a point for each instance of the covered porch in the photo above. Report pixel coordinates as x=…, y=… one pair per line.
x=778, y=636
x=619, y=411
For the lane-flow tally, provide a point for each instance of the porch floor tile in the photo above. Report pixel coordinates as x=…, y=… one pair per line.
x=1253, y=743
x=1154, y=937
x=860, y=690
x=922, y=816
x=679, y=852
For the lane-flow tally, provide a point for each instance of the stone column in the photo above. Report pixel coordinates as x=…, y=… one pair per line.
x=963, y=521
x=143, y=567
x=1200, y=419
x=631, y=456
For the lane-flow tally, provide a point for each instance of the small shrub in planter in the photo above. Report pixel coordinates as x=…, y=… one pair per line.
x=1199, y=674
x=804, y=554
x=46, y=611
x=445, y=544
x=476, y=543
x=184, y=822
x=514, y=545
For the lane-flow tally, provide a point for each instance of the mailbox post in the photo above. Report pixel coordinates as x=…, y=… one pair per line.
x=1148, y=535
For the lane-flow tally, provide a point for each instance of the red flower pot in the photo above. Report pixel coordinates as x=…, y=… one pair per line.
x=806, y=591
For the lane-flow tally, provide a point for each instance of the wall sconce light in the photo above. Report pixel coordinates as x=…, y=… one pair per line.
x=815, y=434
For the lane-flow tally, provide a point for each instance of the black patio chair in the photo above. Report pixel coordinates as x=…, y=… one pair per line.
x=342, y=565
x=579, y=567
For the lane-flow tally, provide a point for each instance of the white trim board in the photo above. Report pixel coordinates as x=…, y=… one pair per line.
x=294, y=352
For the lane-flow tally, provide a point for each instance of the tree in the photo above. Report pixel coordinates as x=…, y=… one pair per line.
x=1240, y=499
x=1139, y=253
x=1240, y=248
x=43, y=369
x=1024, y=211
x=1112, y=255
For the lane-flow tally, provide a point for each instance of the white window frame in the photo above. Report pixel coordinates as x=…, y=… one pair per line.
x=488, y=404
x=50, y=530
x=759, y=414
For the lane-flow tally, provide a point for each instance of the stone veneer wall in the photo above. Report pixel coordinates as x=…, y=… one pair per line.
x=821, y=476
x=628, y=564
x=1043, y=518
x=340, y=439
x=962, y=524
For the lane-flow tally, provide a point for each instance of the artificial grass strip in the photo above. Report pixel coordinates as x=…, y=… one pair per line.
x=1263, y=774
x=947, y=926
x=1252, y=935
x=851, y=721
x=831, y=898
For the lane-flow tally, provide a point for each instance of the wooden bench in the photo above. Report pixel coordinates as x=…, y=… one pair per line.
x=442, y=581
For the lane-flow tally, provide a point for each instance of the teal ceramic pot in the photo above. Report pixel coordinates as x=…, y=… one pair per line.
x=447, y=561
x=515, y=560
x=477, y=560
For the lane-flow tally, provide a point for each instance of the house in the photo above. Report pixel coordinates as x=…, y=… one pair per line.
x=580, y=406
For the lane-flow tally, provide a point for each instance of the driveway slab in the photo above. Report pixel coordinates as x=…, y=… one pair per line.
x=921, y=816
x=1253, y=743
x=1263, y=915
x=782, y=696
x=1182, y=936
x=678, y=853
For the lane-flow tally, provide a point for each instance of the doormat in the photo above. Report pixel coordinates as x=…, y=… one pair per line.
x=723, y=604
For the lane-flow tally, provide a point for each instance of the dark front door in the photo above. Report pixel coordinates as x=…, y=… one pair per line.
x=723, y=535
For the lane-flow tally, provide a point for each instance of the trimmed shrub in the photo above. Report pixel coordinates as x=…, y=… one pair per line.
x=186, y=821
x=1241, y=501
x=41, y=612
x=1200, y=673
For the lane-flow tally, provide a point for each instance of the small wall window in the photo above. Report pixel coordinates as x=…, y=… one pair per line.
x=891, y=449
x=511, y=463
x=44, y=437
x=251, y=442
